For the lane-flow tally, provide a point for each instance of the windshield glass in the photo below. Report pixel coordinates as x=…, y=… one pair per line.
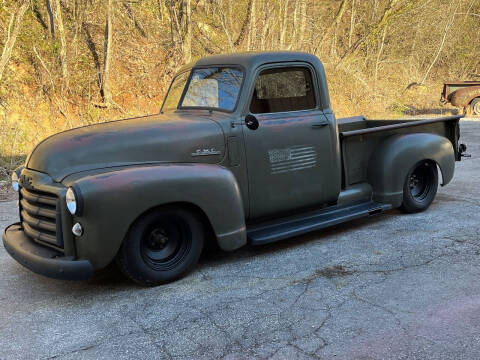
x=215, y=87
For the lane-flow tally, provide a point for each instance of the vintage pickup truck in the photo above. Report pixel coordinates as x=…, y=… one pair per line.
x=462, y=94
x=246, y=150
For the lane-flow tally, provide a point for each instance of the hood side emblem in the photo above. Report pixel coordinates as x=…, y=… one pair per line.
x=206, y=152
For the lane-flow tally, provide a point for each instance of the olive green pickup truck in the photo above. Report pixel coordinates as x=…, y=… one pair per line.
x=245, y=150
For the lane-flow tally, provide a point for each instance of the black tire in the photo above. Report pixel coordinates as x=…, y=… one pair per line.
x=161, y=246
x=475, y=106
x=420, y=187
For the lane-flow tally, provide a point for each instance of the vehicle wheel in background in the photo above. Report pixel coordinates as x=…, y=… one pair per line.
x=420, y=187
x=161, y=246
x=475, y=106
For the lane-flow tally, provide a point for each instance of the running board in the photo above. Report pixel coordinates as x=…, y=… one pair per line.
x=283, y=228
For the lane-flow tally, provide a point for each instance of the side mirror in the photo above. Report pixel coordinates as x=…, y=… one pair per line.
x=251, y=122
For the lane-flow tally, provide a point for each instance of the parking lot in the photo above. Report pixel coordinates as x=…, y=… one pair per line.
x=391, y=287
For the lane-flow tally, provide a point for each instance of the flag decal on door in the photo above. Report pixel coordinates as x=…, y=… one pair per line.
x=292, y=159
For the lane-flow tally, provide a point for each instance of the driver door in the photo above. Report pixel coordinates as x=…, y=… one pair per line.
x=290, y=154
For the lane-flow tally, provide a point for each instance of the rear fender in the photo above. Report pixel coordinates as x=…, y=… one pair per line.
x=464, y=97
x=112, y=201
x=396, y=155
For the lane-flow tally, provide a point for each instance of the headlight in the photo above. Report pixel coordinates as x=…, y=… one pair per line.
x=15, y=185
x=71, y=201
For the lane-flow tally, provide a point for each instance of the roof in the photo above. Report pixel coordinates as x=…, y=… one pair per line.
x=253, y=59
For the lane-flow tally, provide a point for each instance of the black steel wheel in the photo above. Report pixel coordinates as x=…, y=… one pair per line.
x=420, y=187
x=161, y=246
x=475, y=106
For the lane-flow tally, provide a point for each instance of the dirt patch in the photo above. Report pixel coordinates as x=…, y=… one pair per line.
x=327, y=272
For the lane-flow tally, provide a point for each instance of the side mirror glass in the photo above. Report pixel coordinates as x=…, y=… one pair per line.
x=251, y=122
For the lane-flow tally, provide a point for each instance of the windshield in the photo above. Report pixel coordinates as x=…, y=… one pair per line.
x=211, y=88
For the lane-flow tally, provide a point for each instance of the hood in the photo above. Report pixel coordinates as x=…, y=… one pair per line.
x=172, y=137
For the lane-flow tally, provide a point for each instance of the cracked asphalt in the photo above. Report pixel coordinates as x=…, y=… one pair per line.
x=391, y=287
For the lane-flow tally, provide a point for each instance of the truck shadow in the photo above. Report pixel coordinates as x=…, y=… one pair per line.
x=214, y=256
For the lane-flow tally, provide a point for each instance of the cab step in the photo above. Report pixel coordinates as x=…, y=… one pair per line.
x=286, y=227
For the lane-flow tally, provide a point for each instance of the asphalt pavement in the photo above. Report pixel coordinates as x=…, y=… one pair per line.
x=391, y=287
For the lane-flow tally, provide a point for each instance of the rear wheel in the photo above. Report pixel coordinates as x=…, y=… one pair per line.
x=161, y=246
x=420, y=187
x=475, y=106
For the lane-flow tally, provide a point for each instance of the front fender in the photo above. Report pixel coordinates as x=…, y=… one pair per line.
x=111, y=202
x=396, y=155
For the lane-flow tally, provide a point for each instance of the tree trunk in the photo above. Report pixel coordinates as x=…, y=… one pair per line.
x=245, y=24
x=51, y=18
x=377, y=63
x=187, y=31
x=442, y=43
x=107, y=55
x=12, y=34
x=352, y=24
x=336, y=23
x=303, y=23
x=284, y=24
x=376, y=28
x=63, y=42
x=252, y=29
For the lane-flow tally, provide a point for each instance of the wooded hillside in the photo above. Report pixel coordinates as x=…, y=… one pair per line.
x=67, y=63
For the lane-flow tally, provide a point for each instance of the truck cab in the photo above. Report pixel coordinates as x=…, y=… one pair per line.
x=245, y=149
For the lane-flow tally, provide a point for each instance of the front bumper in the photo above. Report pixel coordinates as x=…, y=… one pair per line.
x=43, y=260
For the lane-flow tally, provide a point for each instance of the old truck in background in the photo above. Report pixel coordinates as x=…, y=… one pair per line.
x=246, y=149
x=462, y=94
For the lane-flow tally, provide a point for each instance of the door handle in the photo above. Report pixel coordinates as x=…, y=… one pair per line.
x=319, y=125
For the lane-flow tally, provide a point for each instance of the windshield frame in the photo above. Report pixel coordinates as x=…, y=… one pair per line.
x=187, y=84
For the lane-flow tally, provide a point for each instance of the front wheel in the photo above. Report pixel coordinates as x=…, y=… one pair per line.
x=475, y=106
x=420, y=187
x=162, y=246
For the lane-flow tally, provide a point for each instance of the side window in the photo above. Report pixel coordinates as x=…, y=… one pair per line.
x=283, y=89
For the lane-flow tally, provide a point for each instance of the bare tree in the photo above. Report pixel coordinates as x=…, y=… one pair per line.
x=303, y=22
x=13, y=30
x=352, y=24
x=187, y=26
x=283, y=23
x=180, y=13
x=253, y=24
x=448, y=25
x=245, y=24
x=51, y=18
x=63, y=42
x=388, y=13
x=107, y=56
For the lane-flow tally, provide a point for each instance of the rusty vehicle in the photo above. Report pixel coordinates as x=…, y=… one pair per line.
x=246, y=149
x=462, y=94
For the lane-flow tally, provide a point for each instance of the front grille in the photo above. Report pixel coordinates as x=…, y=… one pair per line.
x=40, y=215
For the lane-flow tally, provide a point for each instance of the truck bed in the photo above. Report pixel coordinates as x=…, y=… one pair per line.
x=359, y=137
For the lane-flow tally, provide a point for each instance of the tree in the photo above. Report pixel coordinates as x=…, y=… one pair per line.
x=63, y=42
x=107, y=56
x=12, y=34
x=51, y=18
x=180, y=13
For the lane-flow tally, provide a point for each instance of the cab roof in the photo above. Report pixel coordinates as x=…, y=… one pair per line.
x=253, y=59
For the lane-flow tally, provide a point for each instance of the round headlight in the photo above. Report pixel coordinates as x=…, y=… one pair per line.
x=15, y=184
x=71, y=201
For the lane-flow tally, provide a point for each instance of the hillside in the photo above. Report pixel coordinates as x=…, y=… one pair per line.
x=67, y=63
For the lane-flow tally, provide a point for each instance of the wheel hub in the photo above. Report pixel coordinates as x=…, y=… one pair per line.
x=158, y=239
x=476, y=108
